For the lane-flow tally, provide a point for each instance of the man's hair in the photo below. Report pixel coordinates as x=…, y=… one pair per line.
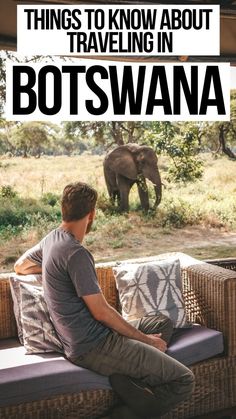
x=78, y=199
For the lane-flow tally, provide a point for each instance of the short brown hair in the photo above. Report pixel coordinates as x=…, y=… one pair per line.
x=78, y=200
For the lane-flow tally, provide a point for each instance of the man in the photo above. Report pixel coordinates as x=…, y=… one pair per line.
x=92, y=333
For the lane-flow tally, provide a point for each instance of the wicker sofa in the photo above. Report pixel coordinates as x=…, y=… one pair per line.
x=210, y=298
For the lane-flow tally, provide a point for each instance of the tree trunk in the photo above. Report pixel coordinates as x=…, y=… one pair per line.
x=226, y=150
x=117, y=133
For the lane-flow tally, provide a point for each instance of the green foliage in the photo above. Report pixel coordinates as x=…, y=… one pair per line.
x=103, y=202
x=180, y=143
x=220, y=212
x=2, y=84
x=115, y=224
x=220, y=137
x=106, y=133
x=18, y=212
x=116, y=243
x=50, y=199
x=209, y=202
x=185, y=170
x=32, y=137
x=7, y=191
x=178, y=213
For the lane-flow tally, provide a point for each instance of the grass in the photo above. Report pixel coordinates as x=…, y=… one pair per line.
x=32, y=178
x=190, y=217
x=212, y=252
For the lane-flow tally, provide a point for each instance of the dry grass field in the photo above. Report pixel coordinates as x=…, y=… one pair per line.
x=197, y=218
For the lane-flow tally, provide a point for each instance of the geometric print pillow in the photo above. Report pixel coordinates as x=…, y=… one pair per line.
x=15, y=281
x=35, y=329
x=146, y=289
x=39, y=334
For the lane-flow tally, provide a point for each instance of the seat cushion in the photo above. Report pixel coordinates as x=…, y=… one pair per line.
x=189, y=346
x=24, y=378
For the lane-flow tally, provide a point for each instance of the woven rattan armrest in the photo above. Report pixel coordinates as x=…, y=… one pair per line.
x=210, y=297
x=227, y=263
x=7, y=318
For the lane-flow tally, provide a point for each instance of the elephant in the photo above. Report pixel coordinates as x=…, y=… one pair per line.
x=129, y=164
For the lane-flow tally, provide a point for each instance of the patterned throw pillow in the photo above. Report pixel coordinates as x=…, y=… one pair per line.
x=35, y=329
x=15, y=281
x=39, y=334
x=149, y=288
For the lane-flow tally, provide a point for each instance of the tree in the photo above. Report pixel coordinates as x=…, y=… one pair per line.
x=180, y=141
x=220, y=137
x=6, y=128
x=2, y=84
x=107, y=133
x=32, y=137
x=13, y=56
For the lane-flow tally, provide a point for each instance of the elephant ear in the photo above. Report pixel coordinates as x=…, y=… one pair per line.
x=121, y=162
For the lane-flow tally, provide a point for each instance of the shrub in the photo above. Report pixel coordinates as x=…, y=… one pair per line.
x=7, y=191
x=50, y=199
x=178, y=213
x=188, y=170
x=16, y=212
x=103, y=202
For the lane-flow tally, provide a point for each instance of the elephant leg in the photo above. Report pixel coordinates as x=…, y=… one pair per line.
x=143, y=193
x=124, y=189
x=118, y=198
x=112, y=187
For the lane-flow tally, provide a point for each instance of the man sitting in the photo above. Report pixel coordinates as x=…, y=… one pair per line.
x=92, y=333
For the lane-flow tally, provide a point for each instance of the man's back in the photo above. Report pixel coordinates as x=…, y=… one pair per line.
x=68, y=274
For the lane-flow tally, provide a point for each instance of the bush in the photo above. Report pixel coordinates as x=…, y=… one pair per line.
x=103, y=202
x=113, y=225
x=16, y=212
x=50, y=199
x=221, y=213
x=188, y=170
x=178, y=213
x=7, y=191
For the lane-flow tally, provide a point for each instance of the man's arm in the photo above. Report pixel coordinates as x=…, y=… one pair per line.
x=25, y=266
x=30, y=262
x=107, y=315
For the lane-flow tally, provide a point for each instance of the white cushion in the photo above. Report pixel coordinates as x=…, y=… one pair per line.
x=35, y=329
x=150, y=288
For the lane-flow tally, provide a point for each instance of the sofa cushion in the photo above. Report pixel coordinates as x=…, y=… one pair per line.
x=15, y=280
x=24, y=378
x=39, y=334
x=35, y=329
x=148, y=288
x=189, y=346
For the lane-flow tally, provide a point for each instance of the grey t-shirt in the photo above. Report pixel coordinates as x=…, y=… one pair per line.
x=68, y=274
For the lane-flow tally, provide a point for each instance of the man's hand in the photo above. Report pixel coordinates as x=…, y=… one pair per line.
x=157, y=342
x=107, y=315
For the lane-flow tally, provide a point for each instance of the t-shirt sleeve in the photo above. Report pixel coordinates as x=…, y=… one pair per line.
x=35, y=254
x=83, y=274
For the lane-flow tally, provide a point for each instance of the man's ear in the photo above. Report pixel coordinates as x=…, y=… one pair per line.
x=92, y=214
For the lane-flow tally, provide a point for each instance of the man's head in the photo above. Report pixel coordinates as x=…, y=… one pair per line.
x=78, y=200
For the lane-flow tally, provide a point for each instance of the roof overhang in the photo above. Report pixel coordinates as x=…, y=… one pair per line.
x=8, y=26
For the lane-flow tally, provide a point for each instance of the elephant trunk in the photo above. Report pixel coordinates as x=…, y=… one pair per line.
x=158, y=195
x=156, y=180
